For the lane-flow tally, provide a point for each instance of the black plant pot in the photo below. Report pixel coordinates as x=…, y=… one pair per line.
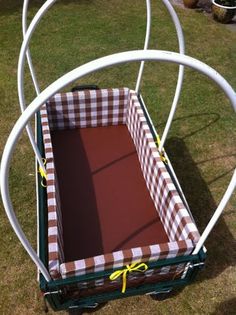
x=221, y=14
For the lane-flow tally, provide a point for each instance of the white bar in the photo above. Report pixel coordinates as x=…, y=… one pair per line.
x=20, y=72
x=24, y=47
x=148, y=28
x=26, y=52
x=37, y=90
x=216, y=214
x=24, y=29
x=66, y=79
x=180, y=37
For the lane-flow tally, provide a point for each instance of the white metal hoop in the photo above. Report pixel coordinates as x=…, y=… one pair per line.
x=180, y=37
x=25, y=51
x=146, y=42
x=27, y=34
x=28, y=56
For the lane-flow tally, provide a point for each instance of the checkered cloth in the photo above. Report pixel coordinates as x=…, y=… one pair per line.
x=125, y=257
x=173, y=214
x=112, y=107
x=55, y=230
x=88, y=109
x=134, y=280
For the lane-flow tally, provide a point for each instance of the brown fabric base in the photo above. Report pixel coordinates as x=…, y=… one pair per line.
x=104, y=199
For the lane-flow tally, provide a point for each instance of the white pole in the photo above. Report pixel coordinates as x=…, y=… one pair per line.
x=37, y=90
x=20, y=72
x=28, y=56
x=181, y=43
x=148, y=28
x=24, y=47
x=216, y=214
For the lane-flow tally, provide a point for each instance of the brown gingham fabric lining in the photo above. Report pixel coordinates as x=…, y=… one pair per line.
x=124, y=257
x=55, y=231
x=87, y=109
x=134, y=279
x=67, y=111
x=174, y=216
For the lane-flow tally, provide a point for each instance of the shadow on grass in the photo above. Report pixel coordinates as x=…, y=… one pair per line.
x=221, y=243
x=212, y=119
x=226, y=308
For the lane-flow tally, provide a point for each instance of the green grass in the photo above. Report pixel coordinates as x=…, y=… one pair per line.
x=201, y=143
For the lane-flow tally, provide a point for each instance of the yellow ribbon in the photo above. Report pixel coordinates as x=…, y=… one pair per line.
x=162, y=153
x=123, y=272
x=42, y=172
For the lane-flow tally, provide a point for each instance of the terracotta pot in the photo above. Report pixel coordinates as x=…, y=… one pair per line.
x=222, y=15
x=190, y=3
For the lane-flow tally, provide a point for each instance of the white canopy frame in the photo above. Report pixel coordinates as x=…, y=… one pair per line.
x=130, y=56
x=27, y=34
x=25, y=52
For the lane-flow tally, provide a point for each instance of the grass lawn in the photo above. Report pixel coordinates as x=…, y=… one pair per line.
x=201, y=144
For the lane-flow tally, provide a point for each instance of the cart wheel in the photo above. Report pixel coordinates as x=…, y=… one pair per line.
x=75, y=312
x=162, y=296
x=86, y=309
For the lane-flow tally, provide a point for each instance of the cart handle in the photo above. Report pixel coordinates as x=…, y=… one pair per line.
x=129, y=56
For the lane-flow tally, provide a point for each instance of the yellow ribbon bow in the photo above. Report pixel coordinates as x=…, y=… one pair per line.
x=129, y=268
x=42, y=173
x=162, y=153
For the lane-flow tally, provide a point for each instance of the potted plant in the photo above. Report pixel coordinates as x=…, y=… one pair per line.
x=190, y=3
x=223, y=10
